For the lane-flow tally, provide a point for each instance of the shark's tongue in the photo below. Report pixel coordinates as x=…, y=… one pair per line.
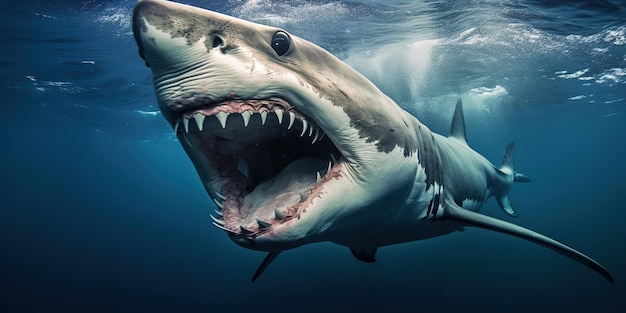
x=286, y=189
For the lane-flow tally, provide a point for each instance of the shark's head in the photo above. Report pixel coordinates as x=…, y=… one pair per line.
x=289, y=141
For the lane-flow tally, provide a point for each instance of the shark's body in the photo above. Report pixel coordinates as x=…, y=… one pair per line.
x=296, y=147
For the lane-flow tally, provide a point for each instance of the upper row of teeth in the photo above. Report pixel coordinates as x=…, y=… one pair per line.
x=222, y=117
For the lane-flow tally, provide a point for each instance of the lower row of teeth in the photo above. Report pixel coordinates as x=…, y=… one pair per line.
x=222, y=117
x=218, y=199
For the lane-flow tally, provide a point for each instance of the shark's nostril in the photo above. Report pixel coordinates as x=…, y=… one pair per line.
x=217, y=41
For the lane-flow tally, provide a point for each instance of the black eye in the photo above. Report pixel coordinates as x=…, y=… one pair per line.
x=281, y=43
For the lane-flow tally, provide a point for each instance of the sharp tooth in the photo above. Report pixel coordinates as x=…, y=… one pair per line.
x=304, y=126
x=222, y=117
x=278, y=214
x=330, y=166
x=220, y=196
x=311, y=130
x=217, y=220
x=219, y=204
x=218, y=212
x=302, y=197
x=319, y=177
x=176, y=128
x=263, y=117
x=279, y=115
x=187, y=140
x=186, y=124
x=322, y=136
x=246, y=117
x=199, y=121
x=333, y=158
x=224, y=228
x=263, y=224
x=242, y=166
x=292, y=118
x=317, y=134
x=245, y=231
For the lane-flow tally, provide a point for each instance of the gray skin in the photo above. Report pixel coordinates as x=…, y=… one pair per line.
x=295, y=147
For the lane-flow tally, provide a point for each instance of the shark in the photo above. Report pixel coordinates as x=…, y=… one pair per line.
x=296, y=147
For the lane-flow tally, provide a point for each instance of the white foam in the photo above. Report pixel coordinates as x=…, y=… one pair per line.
x=581, y=97
x=283, y=13
x=613, y=75
x=576, y=74
x=148, y=113
x=616, y=37
x=399, y=69
x=487, y=92
x=118, y=18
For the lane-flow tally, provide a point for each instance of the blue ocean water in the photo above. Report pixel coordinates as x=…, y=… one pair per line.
x=103, y=212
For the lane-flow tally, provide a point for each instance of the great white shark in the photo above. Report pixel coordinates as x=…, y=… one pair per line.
x=296, y=147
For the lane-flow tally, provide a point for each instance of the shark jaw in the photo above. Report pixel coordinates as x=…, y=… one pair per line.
x=281, y=149
x=263, y=162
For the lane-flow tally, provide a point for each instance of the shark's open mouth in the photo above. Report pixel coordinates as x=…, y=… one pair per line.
x=265, y=160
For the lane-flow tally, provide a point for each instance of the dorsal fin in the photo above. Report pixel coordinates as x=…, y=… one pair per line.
x=457, y=130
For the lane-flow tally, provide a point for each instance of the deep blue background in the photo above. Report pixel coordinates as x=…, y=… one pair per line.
x=102, y=211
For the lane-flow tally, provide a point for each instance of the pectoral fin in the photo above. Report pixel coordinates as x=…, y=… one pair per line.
x=505, y=205
x=364, y=254
x=266, y=262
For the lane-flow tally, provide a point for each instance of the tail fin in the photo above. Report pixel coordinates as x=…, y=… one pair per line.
x=508, y=170
x=455, y=213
